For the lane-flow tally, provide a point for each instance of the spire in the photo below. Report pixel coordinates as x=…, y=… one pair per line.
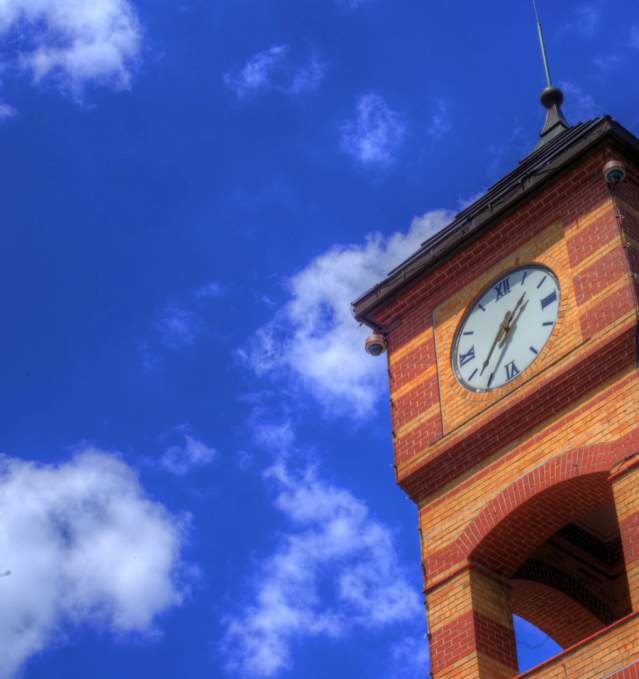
x=552, y=97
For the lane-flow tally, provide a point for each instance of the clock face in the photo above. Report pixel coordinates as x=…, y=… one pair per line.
x=507, y=327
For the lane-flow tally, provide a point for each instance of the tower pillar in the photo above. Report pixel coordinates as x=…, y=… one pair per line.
x=471, y=626
x=625, y=481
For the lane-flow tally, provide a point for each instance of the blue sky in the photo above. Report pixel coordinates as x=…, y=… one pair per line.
x=197, y=476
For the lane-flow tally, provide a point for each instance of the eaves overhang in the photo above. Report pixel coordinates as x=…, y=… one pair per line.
x=534, y=171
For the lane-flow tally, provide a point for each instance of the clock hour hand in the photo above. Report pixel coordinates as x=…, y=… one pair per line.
x=514, y=311
x=502, y=329
x=515, y=317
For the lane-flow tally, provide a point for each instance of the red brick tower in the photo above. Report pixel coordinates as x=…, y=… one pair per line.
x=512, y=355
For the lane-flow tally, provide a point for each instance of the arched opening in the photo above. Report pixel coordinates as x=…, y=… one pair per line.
x=575, y=583
x=559, y=551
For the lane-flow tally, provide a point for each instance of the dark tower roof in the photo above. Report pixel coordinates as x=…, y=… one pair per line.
x=557, y=153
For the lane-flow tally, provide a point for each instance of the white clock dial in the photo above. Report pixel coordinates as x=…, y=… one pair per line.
x=506, y=328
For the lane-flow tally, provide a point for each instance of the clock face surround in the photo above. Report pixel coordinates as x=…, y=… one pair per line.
x=506, y=329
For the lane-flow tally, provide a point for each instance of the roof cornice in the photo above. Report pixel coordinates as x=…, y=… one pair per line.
x=533, y=172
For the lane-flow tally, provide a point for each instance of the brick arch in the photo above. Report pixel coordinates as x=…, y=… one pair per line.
x=555, y=613
x=531, y=523
x=590, y=460
x=537, y=505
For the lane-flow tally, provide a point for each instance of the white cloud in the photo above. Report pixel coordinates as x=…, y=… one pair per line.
x=314, y=339
x=376, y=133
x=440, y=122
x=409, y=658
x=84, y=546
x=271, y=70
x=334, y=571
x=76, y=40
x=190, y=454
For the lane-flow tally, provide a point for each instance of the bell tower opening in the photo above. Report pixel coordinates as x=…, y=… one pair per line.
x=575, y=583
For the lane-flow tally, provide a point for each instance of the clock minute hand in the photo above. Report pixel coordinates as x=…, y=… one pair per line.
x=502, y=329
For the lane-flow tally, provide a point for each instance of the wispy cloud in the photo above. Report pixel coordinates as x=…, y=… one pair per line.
x=309, y=77
x=352, y=4
x=178, y=326
x=258, y=71
x=209, y=291
x=275, y=436
x=85, y=546
x=181, y=321
x=75, y=41
x=607, y=62
x=333, y=571
x=409, y=658
x=190, y=454
x=272, y=70
x=440, y=123
x=634, y=37
x=7, y=111
x=579, y=105
x=585, y=19
x=375, y=134
x=313, y=340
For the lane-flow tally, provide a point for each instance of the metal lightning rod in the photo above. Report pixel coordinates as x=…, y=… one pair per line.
x=552, y=97
x=542, y=43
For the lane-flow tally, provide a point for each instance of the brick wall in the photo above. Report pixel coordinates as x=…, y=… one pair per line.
x=575, y=227
x=497, y=474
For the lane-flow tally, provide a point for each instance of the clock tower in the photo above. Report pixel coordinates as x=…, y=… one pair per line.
x=512, y=357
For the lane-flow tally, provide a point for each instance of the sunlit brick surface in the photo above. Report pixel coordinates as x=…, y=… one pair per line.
x=497, y=475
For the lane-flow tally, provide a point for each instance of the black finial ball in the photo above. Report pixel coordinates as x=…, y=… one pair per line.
x=552, y=96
